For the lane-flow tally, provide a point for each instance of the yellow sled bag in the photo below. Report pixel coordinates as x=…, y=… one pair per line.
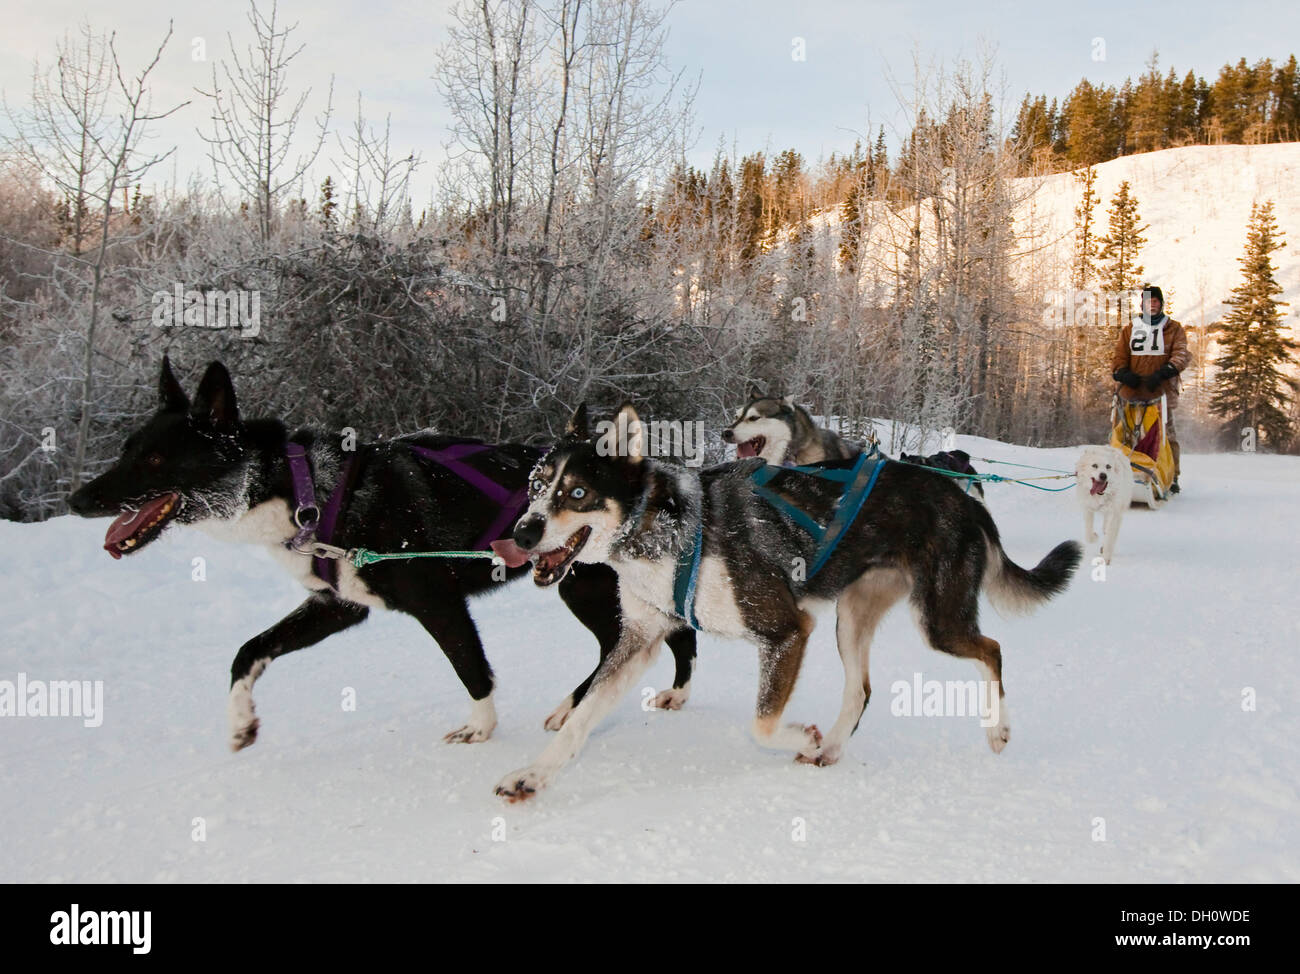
x=1138, y=430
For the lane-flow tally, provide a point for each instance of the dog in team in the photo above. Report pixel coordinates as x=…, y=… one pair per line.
x=307, y=500
x=780, y=431
x=1105, y=487
x=705, y=548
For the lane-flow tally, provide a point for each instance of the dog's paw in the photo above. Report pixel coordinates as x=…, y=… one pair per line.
x=469, y=734
x=673, y=699
x=822, y=757
x=521, y=785
x=243, y=718
x=813, y=738
x=999, y=734
x=559, y=715
x=244, y=735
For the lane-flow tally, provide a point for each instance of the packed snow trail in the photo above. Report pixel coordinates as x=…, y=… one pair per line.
x=1125, y=698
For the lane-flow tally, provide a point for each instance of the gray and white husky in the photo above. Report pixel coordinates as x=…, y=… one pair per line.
x=918, y=536
x=780, y=431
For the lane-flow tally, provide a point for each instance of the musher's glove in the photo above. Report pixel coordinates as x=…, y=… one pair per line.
x=1155, y=379
x=1128, y=377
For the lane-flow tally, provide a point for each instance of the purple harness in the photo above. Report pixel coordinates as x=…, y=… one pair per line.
x=317, y=525
x=511, y=502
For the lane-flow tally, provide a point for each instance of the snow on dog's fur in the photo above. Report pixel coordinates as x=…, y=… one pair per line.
x=1105, y=487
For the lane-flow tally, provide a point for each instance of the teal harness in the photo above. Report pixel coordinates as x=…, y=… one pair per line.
x=686, y=577
x=857, y=483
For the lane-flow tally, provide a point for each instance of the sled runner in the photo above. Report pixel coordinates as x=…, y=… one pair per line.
x=1138, y=430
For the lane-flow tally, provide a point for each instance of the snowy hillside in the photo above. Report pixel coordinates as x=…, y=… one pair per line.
x=1197, y=200
x=1125, y=698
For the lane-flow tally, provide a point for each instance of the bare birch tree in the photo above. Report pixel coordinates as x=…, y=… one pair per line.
x=255, y=121
x=84, y=133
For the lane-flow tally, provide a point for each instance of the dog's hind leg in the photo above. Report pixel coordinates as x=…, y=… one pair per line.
x=318, y=617
x=780, y=655
x=857, y=614
x=448, y=621
x=949, y=622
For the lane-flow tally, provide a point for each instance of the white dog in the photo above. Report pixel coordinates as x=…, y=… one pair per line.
x=1105, y=485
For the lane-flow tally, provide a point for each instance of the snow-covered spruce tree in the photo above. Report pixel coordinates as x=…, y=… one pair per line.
x=1084, y=270
x=1251, y=387
x=1090, y=341
x=1123, y=240
x=1121, y=272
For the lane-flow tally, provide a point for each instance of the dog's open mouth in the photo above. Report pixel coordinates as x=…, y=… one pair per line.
x=552, y=565
x=134, y=528
x=1098, y=486
x=750, y=448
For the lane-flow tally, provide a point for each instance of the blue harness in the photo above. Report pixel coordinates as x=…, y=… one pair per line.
x=857, y=483
x=686, y=576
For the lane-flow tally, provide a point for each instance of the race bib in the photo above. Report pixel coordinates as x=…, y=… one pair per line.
x=1147, y=339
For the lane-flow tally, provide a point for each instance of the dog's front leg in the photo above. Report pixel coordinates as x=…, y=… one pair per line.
x=1110, y=532
x=1089, y=535
x=318, y=617
x=644, y=628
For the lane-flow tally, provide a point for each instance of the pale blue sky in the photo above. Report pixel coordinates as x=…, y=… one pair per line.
x=751, y=91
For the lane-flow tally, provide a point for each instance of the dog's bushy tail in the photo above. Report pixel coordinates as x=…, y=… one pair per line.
x=1014, y=590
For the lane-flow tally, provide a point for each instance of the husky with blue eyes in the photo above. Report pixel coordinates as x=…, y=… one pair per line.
x=729, y=550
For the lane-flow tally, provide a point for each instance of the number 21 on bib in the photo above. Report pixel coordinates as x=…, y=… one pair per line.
x=1147, y=340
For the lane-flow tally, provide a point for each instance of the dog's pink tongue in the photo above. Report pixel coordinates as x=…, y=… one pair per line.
x=1098, y=486
x=129, y=522
x=510, y=553
x=745, y=450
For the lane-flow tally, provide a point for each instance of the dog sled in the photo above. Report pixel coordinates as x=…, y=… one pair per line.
x=1138, y=431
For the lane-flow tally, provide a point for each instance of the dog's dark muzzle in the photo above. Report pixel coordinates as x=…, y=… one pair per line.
x=529, y=530
x=89, y=501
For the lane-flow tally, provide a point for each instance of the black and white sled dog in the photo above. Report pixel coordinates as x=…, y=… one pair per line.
x=779, y=431
x=917, y=536
x=200, y=463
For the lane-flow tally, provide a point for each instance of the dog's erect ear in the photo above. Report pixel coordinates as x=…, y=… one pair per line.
x=577, y=426
x=629, y=423
x=755, y=392
x=170, y=394
x=788, y=402
x=215, y=400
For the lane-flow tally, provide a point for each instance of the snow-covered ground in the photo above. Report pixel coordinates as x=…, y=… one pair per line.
x=1125, y=695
